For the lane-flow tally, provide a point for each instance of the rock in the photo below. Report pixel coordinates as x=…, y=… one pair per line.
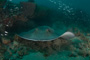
x=28, y=8
x=5, y=41
x=15, y=43
x=88, y=34
x=2, y=3
x=78, y=33
x=21, y=18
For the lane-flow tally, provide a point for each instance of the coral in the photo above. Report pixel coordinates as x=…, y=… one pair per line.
x=83, y=47
x=6, y=41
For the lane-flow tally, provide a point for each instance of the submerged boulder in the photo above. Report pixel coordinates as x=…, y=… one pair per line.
x=28, y=8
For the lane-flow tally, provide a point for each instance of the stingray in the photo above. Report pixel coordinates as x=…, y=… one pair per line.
x=44, y=33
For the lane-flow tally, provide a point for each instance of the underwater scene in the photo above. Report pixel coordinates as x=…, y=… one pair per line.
x=44, y=30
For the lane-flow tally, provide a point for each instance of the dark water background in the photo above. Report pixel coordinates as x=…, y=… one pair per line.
x=81, y=4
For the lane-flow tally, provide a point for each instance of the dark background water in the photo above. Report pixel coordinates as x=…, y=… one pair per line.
x=81, y=4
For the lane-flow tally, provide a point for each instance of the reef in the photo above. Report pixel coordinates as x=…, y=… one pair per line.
x=2, y=3
x=28, y=27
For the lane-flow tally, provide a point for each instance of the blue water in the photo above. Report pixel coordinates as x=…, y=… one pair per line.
x=81, y=4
